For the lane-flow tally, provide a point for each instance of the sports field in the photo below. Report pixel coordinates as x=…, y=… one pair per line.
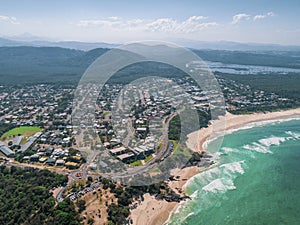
x=26, y=131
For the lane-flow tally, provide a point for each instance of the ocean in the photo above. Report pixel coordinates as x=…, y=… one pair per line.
x=256, y=179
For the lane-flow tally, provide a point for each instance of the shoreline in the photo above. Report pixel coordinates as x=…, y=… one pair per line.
x=196, y=141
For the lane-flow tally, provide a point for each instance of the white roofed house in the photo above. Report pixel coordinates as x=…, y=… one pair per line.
x=60, y=162
x=141, y=130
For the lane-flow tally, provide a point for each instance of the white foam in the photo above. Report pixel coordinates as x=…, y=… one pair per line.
x=216, y=155
x=235, y=167
x=203, y=177
x=248, y=126
x=188, y=215
x=260, y=124
x=272, y=141
x=178, y=208
x=258, y=148
x=228, y=150
x=211, y=139
x=194, y=195
x=294, y=135
x=219, y=185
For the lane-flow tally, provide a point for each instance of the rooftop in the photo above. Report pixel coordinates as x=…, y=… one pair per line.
x=125, y=156
x=117, y=150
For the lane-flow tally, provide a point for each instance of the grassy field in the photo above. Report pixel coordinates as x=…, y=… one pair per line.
x=136, y=163
x=26, y=131
x=148, y=158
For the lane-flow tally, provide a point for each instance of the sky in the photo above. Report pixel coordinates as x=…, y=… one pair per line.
x=247, y=21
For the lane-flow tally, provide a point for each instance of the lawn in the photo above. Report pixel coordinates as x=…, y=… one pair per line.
x=23, y=130
x=148, y=158
x=136, y=163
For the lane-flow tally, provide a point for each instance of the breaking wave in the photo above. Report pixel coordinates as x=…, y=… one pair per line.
x=294, y=135
x=219, y=185
x=235, y=167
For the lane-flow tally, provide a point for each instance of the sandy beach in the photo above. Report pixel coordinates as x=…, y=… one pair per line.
x=229, y=121
x=152, y=211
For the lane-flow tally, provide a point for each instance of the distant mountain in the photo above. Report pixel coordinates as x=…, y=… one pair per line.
x=234, y=46
x=25, y=37
x=35, y=42
x=28, y=39
x=7, y=42
x=84, y=46
x=27, y=64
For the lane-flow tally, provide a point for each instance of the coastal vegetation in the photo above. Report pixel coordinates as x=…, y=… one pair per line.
x=175, y=126
x=286, y=85
x=126, y=195
x=25, y=198
x=33, y=65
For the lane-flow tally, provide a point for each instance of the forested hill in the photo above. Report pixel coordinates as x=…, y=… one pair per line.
x=54, y=64
x=44, y=64
x=25, y=198
x=289, y=59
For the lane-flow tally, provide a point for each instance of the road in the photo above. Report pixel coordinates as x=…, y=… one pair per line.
x=159, y=156
x=92, y=154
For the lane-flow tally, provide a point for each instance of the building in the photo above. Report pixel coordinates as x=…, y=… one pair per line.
x=118, y=151
x=6, y=150
x=42, y=160
x=49, y=151
x=143, y=151
x=34, y=158
x=127, y=157
x=114, y=142
x=51, y=161
x=71, y=165
x=141, y=130
x=93, y=166
x=17, y=140
x=30, y=141
x=60, y=162
x=26, y=158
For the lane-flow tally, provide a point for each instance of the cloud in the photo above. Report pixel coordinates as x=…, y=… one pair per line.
x=263, y=16
x=111, y=23
x=259, y=17
x=239, y=17
x=167, y=25
x=162, y=24
x=10, y=19
x=194, y=24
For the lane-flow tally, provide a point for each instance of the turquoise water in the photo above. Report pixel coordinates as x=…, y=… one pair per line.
x=256, y=180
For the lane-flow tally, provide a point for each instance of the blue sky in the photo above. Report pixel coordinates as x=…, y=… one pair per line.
x=260, y=21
